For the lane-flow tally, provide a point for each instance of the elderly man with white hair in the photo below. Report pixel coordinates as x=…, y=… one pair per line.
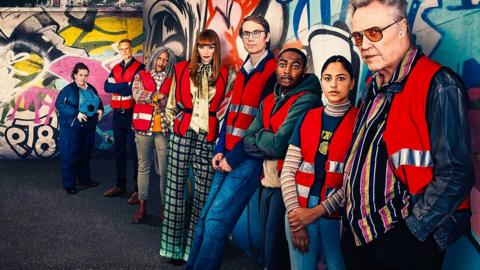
x=408, y=172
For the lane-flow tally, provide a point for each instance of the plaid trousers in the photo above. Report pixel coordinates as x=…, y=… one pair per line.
x=193, y=151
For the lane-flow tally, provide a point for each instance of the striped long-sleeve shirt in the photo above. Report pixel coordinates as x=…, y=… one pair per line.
x=331, y=118
x=374, y=198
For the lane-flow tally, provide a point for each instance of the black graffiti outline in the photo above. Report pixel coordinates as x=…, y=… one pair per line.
x=29, y=149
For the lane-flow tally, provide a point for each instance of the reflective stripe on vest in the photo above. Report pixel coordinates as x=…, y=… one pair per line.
x=334, y=166
x=418, y=158
x=121, y=98
x=303, y=191
x=243, y=109
x=184, y=99
x=247, y=92
x=409, y=152
x=307, y=167
x=274, y=120
x=143, y=116
x=124, y=76
x=236, y=131
x=310, y=137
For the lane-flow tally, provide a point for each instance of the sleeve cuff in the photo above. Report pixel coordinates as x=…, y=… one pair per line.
x=292, y=207
x=419, y=230
x=232, y=160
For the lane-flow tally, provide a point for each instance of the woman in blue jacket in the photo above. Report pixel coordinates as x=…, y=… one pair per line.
x=79, y=109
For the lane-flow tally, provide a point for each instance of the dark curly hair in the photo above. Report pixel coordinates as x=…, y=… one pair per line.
x=77, y=67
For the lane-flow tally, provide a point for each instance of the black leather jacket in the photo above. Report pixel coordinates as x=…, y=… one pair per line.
x=435, y=210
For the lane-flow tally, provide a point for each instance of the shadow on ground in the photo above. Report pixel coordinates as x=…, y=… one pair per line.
x=42, y=227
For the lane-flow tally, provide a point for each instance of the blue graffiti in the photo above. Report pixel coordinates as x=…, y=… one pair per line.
x=451, y=18
x=318, y=12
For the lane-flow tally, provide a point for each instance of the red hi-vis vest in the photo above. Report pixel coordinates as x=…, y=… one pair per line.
x=143, y=113
x=244, y=103
x=118, y=101
x=310, y=137
x=183, y=97
x=274, y=121
x=406, y=133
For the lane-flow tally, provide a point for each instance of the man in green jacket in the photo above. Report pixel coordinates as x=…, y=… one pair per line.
x=267, y=137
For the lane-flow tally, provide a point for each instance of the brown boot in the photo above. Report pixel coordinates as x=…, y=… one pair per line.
x=141, y=212
x=133, y=198
x=114, y=191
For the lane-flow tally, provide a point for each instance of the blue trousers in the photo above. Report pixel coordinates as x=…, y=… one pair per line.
x=324, y=241
x=272, y=215
x=228, y=196
x=76, y=144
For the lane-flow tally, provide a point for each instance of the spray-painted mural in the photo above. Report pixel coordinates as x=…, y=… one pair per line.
x=446, y=30
x=38, y=49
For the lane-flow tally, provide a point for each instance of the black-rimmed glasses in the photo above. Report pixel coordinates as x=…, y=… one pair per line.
x=254, y=34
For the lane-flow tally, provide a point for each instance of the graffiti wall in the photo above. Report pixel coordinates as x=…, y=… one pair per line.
x=38, y=49
x=446, y=30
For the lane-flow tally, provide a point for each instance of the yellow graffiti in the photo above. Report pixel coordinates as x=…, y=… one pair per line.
x=31, y=65
x=107, y=30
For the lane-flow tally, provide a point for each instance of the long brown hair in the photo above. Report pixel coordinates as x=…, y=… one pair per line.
x=206, y=37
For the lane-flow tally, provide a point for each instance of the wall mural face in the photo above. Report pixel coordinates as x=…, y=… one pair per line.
x=446, y=30
x=38, y=49
x=320, y=27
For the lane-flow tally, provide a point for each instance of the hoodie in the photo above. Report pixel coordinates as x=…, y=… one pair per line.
x=264, y=143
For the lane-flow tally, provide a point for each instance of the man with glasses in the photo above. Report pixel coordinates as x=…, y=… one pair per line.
x=408, y=171
x=237, y=174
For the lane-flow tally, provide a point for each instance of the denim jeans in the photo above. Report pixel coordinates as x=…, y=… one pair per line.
x=123, y=135
x=272, y=224
x=146, y=144
x=324, y=239
x=229, y=194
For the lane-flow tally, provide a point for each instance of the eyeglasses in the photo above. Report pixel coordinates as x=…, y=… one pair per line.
x=373, y=34
x=254, y=34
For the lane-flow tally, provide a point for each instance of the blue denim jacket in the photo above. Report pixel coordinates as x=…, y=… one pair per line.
x=435, y=210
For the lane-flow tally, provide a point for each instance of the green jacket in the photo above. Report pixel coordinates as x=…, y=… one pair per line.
x=264, y=143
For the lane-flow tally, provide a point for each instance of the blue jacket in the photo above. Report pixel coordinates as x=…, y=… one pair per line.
x=67, y=104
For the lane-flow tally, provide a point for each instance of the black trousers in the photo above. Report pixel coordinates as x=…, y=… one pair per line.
x=396, y=249
x=124, y=136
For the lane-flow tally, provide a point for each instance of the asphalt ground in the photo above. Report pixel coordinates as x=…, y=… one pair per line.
x=42, y=227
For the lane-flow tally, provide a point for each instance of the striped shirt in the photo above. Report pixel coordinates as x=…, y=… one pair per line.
x=374, y=199
x=294, y=157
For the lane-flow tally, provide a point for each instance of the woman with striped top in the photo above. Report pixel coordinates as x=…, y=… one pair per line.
x=313, y=170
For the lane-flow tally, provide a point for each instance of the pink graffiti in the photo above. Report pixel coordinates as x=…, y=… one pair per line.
x=63, y=66
x=32, y=96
